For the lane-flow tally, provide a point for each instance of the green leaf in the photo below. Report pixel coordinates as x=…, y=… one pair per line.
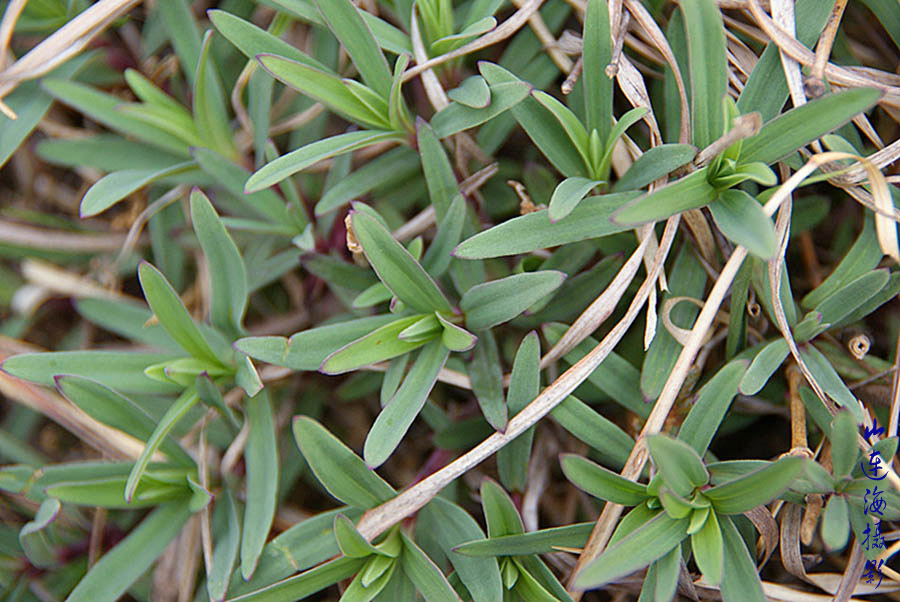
x=102, y=108
x=836, y=523
x=399, y=271
x=210, y=114
x=126, y=318
x=472, y=92
x=530, y=588
x=109, y=492
x=172, y=314
x=251, y=40
x=492, y=303
x=454, y=337
x=654, y=164
x=227, y=272
x=610, y=443
x=439, y=177
x=741, y=218
x=651, y=541
x=457, y=116
x=763, y=366
x=425, y=574
x=379, y=345
x=513, y=459
x=451, y=526
x=306, y=583
x=862, y=257
x=369, y=582
x=709, y=68
x=396, y=418
x=540, y=125
x=485, y=373
x=422, y=330
x=437, y=258
x=574, y=129
x=758, y=487
x=680, y=465
x=602, y=165
x=227, y=540
x=708, y=548
x=305, y=156
x=600, y=482
x=740, y=579
x=710, y=406
x=307, y=350
x=117, y=411
x=543, y=541
x=843, y=444
x=261, y=456
x=122, y=371
x=690, y=192
x=598, y=87
x=351, y=543
x=121, y=566
x=499, y=511
x=668, y=569
x=345, y=22
x=340, y=471
x=35, y=540
x=112, y=188
x=176, y=412
x=840, y=304
x=830, y=381
x=568, y=194
x=801, y=125
x=526, y=233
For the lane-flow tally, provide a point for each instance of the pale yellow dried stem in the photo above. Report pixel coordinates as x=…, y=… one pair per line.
x=64, y=43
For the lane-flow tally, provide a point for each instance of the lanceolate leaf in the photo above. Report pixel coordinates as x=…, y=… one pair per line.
x=227, y=272
x=396, y=267
x=590, y=219
x=710, y=407
x=452, y=526
x=649, y=542
x=601, y=482
x=176, y=412
x=227, y=541
x=654, y=164
x=487, y=380
x=759, y=487
x=708, y=67
x=210, y=114
x=492, y=303
x=533, y=542
x=690, y=192
x=348, y=26
x=396, y=418
x=340, y=471
x=381, y=344
x=427, y=577
x=801, y=125
x=514, y=458
x=305, y=156
x=740, y=579
x=306, y=583
x=172, y=314
x=680, y=466
x=598, y=87
x=708, y=549
x=567, y=195
x=121, y=566
x=261, y=457
x=117, y=411
x=740, y=217
x=114, y=187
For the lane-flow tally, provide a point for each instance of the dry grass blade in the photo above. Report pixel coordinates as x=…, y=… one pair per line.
x=65, y=43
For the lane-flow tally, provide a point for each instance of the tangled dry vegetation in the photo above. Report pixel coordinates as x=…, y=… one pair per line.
x=603, y=289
